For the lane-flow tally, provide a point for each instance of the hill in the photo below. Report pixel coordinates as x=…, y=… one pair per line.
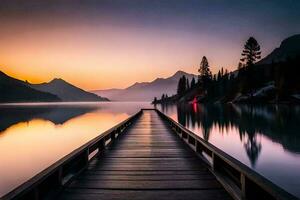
x=14, y=90
x=66, y=91
x=146, y=91
x=289, y=48
x=274, y=79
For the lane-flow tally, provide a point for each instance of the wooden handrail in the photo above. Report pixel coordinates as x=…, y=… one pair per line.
x=64, y=170
x=237, y=178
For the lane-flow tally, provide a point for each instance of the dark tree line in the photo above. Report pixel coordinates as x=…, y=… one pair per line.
x=249, y=77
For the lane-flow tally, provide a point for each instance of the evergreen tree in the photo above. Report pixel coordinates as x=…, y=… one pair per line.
x=187, y=84
x=250, y=55
x=181, y=88
x=204, y=73
x=251, y=52
x=214, y=77
x=193, y=83
x=219, y=76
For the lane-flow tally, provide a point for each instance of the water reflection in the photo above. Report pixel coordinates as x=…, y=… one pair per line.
x=279, y=123
x=34, y=136
x=55, y=114
x=266, y=138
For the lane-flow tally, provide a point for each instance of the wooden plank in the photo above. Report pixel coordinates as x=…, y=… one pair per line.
x=148, y=161
x=153, y=177
x=146, y=185
x=95, y=194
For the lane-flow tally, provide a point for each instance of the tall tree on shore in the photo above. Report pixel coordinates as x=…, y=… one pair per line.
x=251, y=52
x=187, y=84
x=182, y=86
x=204, y=73
x=193, y=82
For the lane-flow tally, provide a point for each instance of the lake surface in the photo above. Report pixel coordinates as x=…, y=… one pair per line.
x=33, y=136
x=265, y=138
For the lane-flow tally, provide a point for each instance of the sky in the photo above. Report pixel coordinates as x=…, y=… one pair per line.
x=100, y=44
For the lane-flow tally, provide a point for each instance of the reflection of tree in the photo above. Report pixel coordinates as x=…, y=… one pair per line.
x=253, y=148
x=279, y=123
x=189, y=116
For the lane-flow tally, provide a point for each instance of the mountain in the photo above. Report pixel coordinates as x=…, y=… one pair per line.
x=14, y=90
x=289, y=47
x=146, y=91
x=274, y=79
x=66, y=91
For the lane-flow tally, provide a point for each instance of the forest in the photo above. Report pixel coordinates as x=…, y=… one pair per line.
x=251, y=82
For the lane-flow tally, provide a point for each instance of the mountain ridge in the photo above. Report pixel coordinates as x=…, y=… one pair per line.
x=66, y=91
x=13, y=90
x=289, y=47
x=145, y=91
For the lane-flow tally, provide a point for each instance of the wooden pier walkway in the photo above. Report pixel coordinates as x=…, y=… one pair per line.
x=147, y=162
x=148, y=156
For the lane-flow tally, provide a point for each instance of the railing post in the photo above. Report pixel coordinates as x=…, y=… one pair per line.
x=101, y=145
x=198, y=147
x=60, y=176
x=243, y=186
x=113, y=135
x=86, y=157
x=214, y=162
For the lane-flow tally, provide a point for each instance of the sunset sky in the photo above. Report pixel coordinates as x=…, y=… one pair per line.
x=97, y=44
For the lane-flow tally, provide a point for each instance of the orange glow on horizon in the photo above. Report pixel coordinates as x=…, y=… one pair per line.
x=103, y=56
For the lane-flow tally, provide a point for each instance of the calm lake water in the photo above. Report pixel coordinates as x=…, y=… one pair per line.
x=33, y=136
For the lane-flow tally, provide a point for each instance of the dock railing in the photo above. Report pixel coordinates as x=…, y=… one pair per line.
x=51, y=180
x=241, y=182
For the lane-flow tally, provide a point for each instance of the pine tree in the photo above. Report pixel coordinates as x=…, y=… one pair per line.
x=187, y=84
x=222, y=72
x=193, y=83
x=204, y=73
x=214, y=77
x=219, y=76
x=251, y=52
x=250, y=55
x=181, y=88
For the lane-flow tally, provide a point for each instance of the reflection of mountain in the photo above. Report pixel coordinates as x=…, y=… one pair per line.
x=279, y=123
x=56, y=114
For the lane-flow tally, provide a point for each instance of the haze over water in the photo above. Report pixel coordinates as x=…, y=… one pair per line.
x=37, y=135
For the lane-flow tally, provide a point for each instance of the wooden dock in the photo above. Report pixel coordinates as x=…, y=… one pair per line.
x=148, y=156
x=146, y=162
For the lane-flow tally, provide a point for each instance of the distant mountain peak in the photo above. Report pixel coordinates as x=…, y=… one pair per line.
x=146, y=91
x=66, y=91
x=58, y=80
x=180, y=72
